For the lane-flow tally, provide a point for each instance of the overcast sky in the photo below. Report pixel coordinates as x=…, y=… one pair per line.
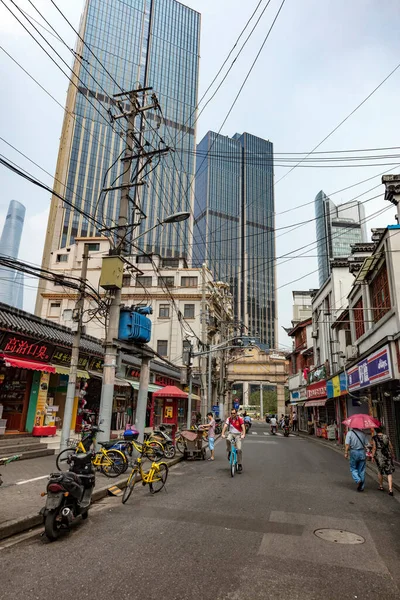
x=322, y=59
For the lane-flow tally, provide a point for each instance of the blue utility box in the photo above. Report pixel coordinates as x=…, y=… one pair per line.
x=134, y=326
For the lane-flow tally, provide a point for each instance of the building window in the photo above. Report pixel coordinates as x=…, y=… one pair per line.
x=62, y=257
x=170, y=263
x=189, y=281
x=358, y=313
x=162, y=347
x=166, y=282
x=164, y=311
x=380, y=295
x=143, y=260
x=126, y=280
x=54, y=309
x=94, y=247
x=188, y=311
x=144, y=281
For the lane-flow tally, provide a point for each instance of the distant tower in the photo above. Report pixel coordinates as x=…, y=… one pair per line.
x=9, y=246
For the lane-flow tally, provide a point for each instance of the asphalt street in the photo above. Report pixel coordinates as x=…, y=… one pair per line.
x=220, y=538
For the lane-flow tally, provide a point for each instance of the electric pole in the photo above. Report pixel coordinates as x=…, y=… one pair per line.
x=222, y=375
x=123, y=246
x=71, y=389
x=203, y=359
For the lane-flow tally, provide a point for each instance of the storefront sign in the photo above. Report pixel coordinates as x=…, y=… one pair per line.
x=96, y=364
x=374, y=369
x=336, y=386
x=316, y=390
x=16, y=345
x=164, y=381
x=62, y=356
x=41, y=404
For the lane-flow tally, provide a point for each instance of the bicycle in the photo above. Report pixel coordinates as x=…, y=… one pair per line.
x=233, y=456
x=155, y=477
x=151, y=449
x=110, y=462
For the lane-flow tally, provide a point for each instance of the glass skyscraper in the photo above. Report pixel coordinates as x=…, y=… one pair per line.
x=235, y=225
x=140, y=43
x=337, y=228
x=12, y=282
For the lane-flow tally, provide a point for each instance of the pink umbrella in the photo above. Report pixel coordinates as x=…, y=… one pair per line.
x=361, y=421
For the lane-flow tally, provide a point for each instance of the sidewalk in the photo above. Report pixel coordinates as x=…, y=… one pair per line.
x=20, y=500
x=371, y=468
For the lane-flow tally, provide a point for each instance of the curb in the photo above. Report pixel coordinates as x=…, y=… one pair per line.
x=372, y=471
x=16, y=526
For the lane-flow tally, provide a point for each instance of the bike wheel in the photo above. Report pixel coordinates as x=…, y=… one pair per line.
x=233, y=469
x=130, y=484
x=113, y=463
x=160, y=477
x=169, y=450
x=154, y=451
x=180, y=445
x=63, y=459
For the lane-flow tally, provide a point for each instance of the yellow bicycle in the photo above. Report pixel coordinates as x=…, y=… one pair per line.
x=156, y=477
x=110, y=461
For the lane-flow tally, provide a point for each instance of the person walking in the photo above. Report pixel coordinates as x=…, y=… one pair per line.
x=211, y=433
x=294, y=421
x=356, y=442
x=383, y=455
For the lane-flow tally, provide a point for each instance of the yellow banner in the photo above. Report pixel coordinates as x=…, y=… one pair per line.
x=42, y=399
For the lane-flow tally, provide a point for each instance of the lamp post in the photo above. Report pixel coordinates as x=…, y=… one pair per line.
x=111, y=352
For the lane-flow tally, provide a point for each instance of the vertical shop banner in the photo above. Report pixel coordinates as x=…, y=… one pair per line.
x=42, y=399
x=374, y=369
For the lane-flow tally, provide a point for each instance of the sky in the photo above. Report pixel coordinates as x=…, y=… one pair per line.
x=320, y=61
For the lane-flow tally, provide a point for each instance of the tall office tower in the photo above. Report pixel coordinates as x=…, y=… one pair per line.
x=139, y=43
x=337, y=227
x=11, y=282
x=235, y=225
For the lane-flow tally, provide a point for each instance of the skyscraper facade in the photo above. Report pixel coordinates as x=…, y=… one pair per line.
x=337, y=228
x=126, y=45
x=11, y=282
x=235, y=225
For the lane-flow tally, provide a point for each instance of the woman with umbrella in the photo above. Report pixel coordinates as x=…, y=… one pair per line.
x=382, y=454
x=356, y=442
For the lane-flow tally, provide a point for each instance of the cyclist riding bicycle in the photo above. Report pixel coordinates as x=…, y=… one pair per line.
x=236, y=430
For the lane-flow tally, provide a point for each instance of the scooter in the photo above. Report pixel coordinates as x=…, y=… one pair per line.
x=273, y=429
x=68, y=495
x=161, y=435
x=286, y=430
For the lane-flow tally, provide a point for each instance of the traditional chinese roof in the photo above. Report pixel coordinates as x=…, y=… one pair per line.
x=19, y=321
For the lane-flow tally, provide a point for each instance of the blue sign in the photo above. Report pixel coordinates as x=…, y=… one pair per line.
x=215, y=409
x=374, y=369
x=236, y=404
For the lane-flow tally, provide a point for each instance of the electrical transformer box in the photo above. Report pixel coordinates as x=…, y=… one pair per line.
x=112, y=271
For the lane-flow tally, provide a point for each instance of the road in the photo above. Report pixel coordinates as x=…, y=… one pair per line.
x=217, y=538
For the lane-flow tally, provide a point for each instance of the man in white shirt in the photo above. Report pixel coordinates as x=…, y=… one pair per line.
x=273, y=422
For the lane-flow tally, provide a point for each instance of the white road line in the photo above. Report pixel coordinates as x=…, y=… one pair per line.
x=29, y=480
x=254, y=433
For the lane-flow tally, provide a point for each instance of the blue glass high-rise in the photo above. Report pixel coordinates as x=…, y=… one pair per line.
x=11, y=281
x=235, y=225
x=138, y=42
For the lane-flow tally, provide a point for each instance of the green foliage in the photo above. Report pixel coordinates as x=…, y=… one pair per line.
x=270, y=400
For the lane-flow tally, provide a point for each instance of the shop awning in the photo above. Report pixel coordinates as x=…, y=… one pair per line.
x=118, y=380
x=65, y=371
x=171, y=391
x=195, y=397
x=28, y=364
x=319, y=402
x=151, y=388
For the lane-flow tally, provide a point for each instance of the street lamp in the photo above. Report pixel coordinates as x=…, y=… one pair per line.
x=174, y=218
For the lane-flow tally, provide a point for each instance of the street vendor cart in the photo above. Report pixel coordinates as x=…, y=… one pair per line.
x=193, y=444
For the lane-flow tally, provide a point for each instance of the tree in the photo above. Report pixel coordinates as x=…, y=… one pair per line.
x=270, y=400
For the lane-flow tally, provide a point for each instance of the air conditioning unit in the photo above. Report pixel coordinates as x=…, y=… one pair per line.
x=314, y=333
x=351, y=352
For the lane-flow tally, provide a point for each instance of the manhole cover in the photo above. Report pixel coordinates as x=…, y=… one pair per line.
x=339, y=536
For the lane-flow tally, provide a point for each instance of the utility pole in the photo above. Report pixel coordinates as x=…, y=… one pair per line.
x=123, y=247
x=71, y=389
x=261, y=401
x=222, y=375
x=203, y=359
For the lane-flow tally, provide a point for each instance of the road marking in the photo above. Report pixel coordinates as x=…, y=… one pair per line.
x=30, y=480
x=254, y=433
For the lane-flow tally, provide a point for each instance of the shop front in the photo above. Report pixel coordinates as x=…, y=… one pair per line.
x=336, y=388
x=317, y=414
x=25, y=367
x=174, y=406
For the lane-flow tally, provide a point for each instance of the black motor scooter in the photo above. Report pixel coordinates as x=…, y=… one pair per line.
x=68, y=495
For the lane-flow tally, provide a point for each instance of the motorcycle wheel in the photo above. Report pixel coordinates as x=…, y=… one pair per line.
x=85, y=515
x=169, y=451
x=52, y=527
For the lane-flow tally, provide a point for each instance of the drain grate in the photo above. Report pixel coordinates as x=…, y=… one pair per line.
x=339, y=536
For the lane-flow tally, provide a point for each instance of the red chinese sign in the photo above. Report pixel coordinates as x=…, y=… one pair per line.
x=15, y=345
x=316, y=390
x=165, y=381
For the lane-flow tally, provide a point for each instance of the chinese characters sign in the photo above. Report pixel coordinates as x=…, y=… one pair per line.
x=374, y=369
x=96, y=364
x=62, y=356
x=316, y=390
x=16, y=345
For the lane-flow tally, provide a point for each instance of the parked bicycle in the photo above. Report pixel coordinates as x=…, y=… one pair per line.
x=111, y=462
x=155, y=477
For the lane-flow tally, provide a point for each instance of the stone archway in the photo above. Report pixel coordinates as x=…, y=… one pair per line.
x=253, y=365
